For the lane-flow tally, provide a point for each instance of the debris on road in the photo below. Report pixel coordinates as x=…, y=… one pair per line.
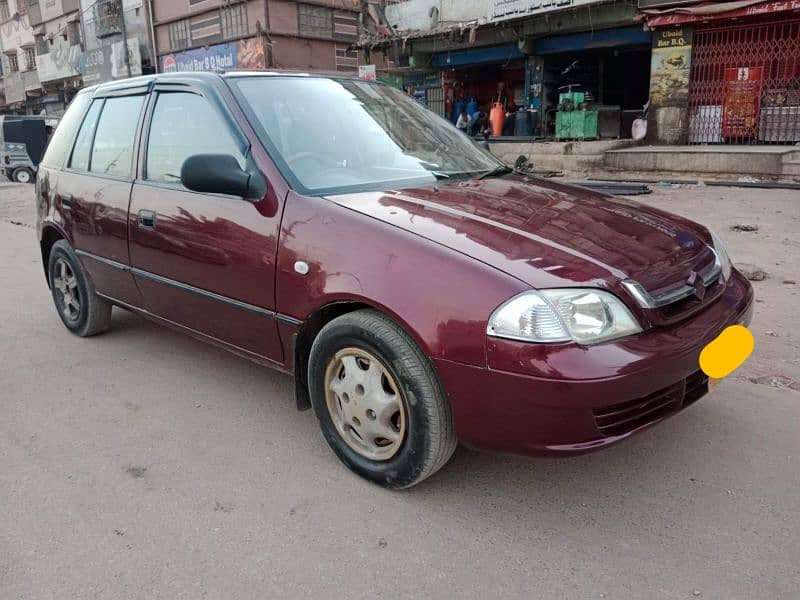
x=752, y=272
x=776, y=381
x=136, y=472
x=741, y=228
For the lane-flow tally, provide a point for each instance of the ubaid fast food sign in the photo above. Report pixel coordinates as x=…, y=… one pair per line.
x=502, y=10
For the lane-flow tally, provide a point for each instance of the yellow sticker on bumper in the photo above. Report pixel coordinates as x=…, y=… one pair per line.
x=728, y=352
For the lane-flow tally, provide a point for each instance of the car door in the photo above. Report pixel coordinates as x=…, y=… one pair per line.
x=93, y=192
x=203, y=261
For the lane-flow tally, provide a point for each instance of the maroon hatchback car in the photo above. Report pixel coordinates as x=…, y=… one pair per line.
x=421, y=293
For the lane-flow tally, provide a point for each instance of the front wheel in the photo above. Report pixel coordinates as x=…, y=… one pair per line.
x=380, y=404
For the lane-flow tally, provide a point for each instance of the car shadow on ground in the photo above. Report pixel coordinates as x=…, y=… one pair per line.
x=666, y=457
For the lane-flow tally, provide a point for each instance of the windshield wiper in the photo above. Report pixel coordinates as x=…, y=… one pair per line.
x=439, y=175
x=497, y=172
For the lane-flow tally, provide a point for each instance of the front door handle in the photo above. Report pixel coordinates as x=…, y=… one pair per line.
x=147, y=219
x=66, y=200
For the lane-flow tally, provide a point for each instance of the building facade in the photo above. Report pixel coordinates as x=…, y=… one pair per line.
x=117, y=40
x=256, y=34
x=51, y=48
x=702, y=72
x=725, y=73
x=20, y=77
x=521, y=54
x=56, y=29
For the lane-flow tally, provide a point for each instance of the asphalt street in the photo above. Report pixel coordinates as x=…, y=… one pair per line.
x=145, y=464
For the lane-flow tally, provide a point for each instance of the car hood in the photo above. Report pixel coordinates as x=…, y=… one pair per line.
x=544, y=233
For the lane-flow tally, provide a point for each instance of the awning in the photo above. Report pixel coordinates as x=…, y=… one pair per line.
x=606, y=38
x=477, y=56
x=708, y=11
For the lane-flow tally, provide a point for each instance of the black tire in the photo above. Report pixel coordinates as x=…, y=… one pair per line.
x=22, y=175
x=430, y=437
x=93, y=314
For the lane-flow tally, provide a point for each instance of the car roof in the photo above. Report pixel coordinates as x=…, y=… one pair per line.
x=204, y=77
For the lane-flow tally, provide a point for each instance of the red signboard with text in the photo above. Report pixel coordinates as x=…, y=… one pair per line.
x=742, y=102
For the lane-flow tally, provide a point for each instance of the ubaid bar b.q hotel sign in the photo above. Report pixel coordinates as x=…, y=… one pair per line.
x=502, y=10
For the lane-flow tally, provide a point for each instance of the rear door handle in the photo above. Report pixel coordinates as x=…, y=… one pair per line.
x=147, y=219
x=66, y=200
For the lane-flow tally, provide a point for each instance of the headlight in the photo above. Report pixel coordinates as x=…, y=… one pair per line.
x=722, y=252
x=585, y=316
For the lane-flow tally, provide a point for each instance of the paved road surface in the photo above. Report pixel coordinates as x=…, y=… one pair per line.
x=144, y=464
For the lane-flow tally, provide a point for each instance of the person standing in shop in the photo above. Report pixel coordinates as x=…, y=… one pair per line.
x=463, y=122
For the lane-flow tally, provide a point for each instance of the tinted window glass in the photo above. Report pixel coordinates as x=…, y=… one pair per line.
x=184, y=125
x=83, y=145
x=61, y=142
x=112, y=153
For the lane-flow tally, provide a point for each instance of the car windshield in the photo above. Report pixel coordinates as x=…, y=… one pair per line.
x=339, y=135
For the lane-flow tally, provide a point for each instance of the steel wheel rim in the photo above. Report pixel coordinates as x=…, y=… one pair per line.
x=23, y=177
x=67, y=293
x=365, y=404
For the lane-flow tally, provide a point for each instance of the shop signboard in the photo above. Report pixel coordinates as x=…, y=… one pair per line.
x=502, y=10
x=740, y=109
x=367, y=72
x=670, y=67
x=671, y=62
x=244, y=54
x=664, y=3
x=751, y=10
x=14, y=87
x=107, y=62
x=392, y=80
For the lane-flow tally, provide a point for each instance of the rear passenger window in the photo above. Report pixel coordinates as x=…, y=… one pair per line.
x=83, y=145
x=184, y=125
x=112, y=153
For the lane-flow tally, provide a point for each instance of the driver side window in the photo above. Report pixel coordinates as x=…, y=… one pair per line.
x=185, y=124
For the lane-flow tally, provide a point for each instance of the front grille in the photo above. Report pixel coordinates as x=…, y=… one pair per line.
x=622, y=418
x=686, y=308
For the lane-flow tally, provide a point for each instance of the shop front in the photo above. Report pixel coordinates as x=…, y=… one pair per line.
x=744, y=72
x=486, y=86
x=473, y=82
x=603, y=73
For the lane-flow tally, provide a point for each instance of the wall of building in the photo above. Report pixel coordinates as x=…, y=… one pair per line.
x=275, y=25
x=105, y=55
x=47, y=10
x=58, y=55
x=201, y=21
x=416, y=14
x=294, y=49
x=15, y=35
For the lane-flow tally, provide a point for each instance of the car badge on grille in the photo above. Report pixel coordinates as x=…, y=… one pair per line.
x=698, y=284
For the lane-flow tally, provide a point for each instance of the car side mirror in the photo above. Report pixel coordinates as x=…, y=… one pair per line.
x=216, y=174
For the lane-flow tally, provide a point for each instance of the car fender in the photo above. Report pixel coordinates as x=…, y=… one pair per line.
x=329, y=254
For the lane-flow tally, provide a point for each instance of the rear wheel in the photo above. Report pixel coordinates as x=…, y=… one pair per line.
x=22, y=175
x=81, y=310
x=380, y=404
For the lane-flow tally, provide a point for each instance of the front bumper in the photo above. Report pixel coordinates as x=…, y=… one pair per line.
x=569, y=399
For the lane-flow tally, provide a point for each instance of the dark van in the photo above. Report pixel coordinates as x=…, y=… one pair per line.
x=23, y=140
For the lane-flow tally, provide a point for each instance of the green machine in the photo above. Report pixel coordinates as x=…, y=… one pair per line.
x=574, y=119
